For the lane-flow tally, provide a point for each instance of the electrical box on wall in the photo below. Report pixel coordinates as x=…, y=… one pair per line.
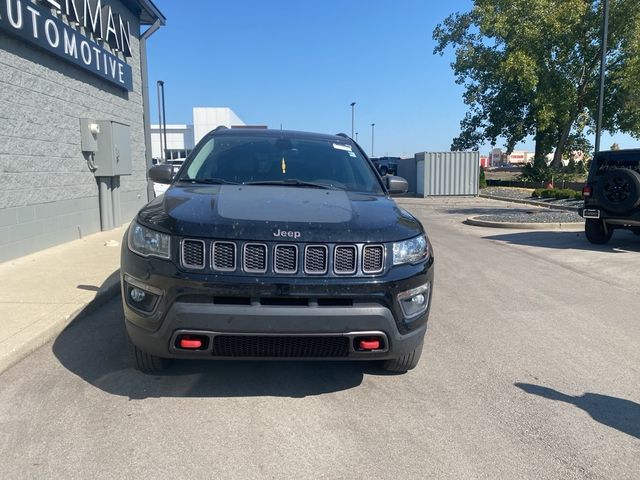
x=89, y=131
x=113, y=156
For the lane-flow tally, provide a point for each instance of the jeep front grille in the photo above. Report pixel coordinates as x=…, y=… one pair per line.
x=271, y=258
x=372, y=259
x=280, y=346
x=344, y=259
x=315, y=259
x=224, y=256
x=285, y=259
x=193, y=254
x=255, y=258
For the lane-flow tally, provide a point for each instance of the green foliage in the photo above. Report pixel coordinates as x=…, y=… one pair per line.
x=530, y=68
x=558, y=194
x=538, y=171
x=483, y=180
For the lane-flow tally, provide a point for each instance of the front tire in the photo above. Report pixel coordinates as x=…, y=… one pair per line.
x=404, y=363
x=145, y=362
x=596, y=232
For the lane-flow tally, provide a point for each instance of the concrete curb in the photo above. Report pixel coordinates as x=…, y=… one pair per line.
x=107, y=291
x=529, y=202
x=522, y=226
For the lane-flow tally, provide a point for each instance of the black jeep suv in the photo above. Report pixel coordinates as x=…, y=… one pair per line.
x=273, y=244
x=612, y=195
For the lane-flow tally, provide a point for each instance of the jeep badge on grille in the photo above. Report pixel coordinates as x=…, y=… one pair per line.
x=286, y=233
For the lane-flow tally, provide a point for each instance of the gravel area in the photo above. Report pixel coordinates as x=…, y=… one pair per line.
x=525, y=194
x=509, y=192
x=533, y=216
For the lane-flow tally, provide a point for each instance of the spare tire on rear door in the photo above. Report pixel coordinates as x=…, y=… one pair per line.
x=619, y=190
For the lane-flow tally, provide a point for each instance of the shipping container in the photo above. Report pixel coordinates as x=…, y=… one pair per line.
x=447, y=173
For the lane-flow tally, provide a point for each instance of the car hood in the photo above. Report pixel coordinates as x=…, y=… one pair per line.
x=253, y=212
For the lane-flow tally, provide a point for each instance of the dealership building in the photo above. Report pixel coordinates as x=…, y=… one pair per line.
x=179, y=139
x=75, y=138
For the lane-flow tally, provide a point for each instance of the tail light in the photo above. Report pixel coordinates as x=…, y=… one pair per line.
x=586, y=191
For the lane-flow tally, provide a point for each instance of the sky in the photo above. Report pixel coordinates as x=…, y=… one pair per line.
x=301, y=63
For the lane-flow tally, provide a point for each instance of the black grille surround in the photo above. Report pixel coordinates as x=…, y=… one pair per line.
x=316, y=259
x=223, y=256
x=373, y=259
x=254, y=258
x=285, y=259
x=193, y=254
x=220, y=256
x=345, y=259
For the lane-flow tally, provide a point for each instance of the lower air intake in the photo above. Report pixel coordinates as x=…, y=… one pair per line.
x=280, y=346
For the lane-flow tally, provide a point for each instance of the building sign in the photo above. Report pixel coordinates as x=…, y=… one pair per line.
x=36, y=25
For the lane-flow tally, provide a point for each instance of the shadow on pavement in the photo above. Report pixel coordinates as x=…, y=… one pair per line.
x=94, y=348
x=622, y=241
x=623, y=415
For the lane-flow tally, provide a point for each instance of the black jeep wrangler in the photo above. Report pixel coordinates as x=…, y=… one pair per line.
x=273, y=244
x=612, y=195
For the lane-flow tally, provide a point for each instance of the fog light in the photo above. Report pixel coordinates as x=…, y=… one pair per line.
x=418, y=299
x=137, y=295
x=415, y=302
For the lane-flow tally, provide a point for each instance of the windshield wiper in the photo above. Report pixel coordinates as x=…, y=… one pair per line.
x=209, y=181
x=293, y=182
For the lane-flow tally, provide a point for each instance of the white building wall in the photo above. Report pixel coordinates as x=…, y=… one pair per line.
x=206, y=119
x=179, y=137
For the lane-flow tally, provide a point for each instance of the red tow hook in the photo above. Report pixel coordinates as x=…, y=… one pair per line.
x=369, y=344
x=190, y=343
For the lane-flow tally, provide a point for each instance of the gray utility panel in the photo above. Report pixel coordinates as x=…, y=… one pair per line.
x=114, y=150
x=447, y=173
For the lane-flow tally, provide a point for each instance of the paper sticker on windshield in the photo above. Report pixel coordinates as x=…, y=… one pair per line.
x=351, y=154
x=346, y=148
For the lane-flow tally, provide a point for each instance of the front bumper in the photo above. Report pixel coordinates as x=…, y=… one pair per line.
x=223, y=305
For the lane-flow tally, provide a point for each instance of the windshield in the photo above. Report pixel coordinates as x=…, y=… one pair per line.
x=285, y=161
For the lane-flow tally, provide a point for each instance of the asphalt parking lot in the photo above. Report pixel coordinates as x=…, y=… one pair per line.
x=531, y=369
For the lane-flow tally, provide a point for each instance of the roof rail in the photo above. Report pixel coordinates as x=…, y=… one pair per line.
x=220, y=127
x=342, y=135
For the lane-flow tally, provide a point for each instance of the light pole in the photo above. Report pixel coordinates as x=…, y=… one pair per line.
x=164, y=117
x=603, y=66
x=159, y=83
x=372, y=136
x=353, y=117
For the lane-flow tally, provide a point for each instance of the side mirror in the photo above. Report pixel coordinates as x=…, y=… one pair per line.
x=162, y=173
x=396, y=184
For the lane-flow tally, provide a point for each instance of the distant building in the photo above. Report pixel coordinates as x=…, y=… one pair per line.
x=485, y=161
x=181, y=139
x=496, y=157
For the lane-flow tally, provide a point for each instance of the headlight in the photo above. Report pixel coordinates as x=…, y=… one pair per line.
x=410, y=251
x=147, y=243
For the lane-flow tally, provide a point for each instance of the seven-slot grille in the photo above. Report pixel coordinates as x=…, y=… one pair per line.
x=193, y=253
x=254, y=258
x=315, y=259
x=344, y=259
x=285, y=259
x=224, y=256
x=372, y=259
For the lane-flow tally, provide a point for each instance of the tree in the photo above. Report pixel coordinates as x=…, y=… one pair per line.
x=531, y=68
x=615, y=146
